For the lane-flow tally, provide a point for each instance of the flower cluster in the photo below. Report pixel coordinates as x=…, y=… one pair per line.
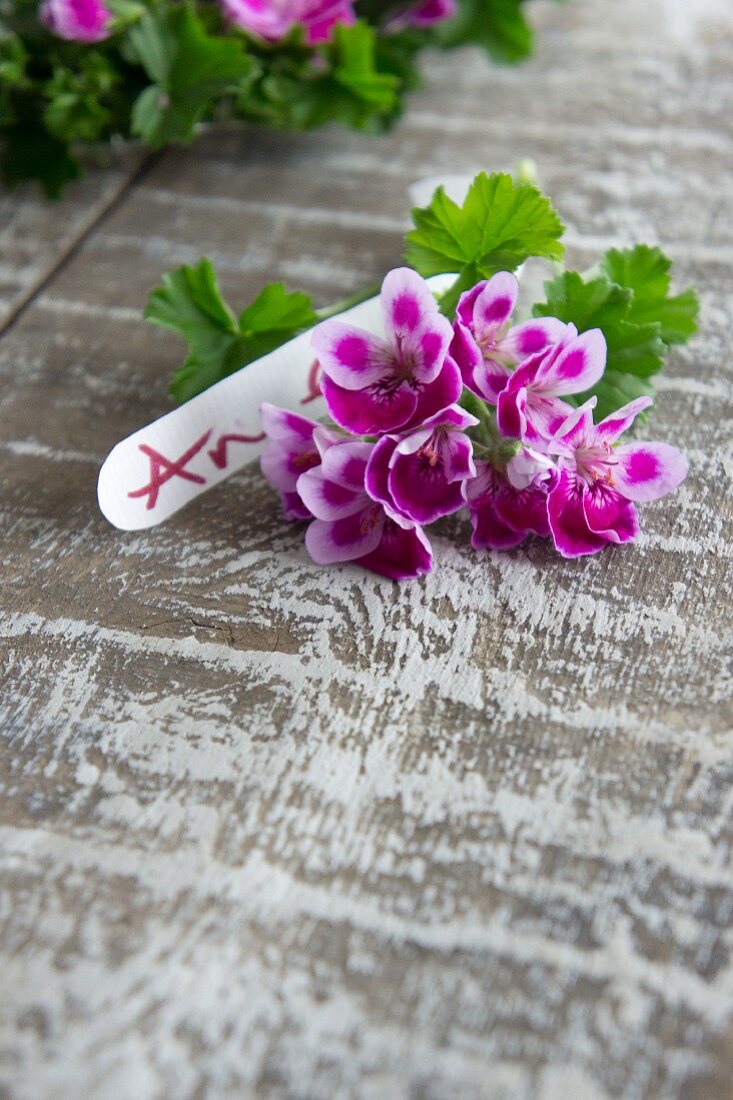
x=77, y=20
x=273, y=20
x=270, y=20
x=431, y=417
x=75, y=72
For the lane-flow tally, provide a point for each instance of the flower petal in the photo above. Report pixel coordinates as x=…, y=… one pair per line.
x=544, y=416
x=407, y=303
x=345, y=539
x=529, y=468
x=466, y=354
x=428, y=350
x=530, y=337
x=511, y=412
x=284, y=425
x=576, y=368
x=577, y=426
x=282, y=466
x=293, y=507
x=372, y=411
x=421, y=490
x=453, y=417
x=494, y=305
x=490, y=531
x=437, y=395
x=524, y=510
x=426, y=13
x=346, y=464
x=648, y=471
x=324, y=438
x=326, y=499
x=569, y=526
x=609, y=514
x=402, y=554
x=321, y=19
x=414, y=323
x=377, y=471
x=500, y=511
x=77, y=20
x=267, y=21
x=350, y=356
x=490, y=379
x=456, y=451
x=377, y=479
x=618, y=422
x=466, y=302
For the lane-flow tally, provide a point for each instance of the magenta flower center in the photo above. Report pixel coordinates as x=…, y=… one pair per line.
x=404, y=364
x=430, y=451
x=304, y=460
x=369, y=518
x=594, y=462
x=489, y=341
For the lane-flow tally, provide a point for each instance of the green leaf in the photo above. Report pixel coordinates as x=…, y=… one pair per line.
x=76, y=110
x=189, y=302
x=633, y=350
x=629, y=300
x=276, y=310
x=646, y=271
x=354, y=66
x=597, y=303
x=500, y=224
x=614, y=390
x=349, y=81
x=190, y=70
x=13, y=61
x=29, y=152
x=497, y=25
x=152, y=42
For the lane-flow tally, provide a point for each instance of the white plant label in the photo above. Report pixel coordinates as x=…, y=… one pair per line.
x=156, y=471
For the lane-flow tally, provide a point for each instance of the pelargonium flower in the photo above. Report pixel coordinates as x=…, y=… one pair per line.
x=274, y=19
x=351, y=526
x=374, y=385
x=486, y=345
x=423, y=14
x=592, y=502
x=422, y=472
x=296, y=444
x=530, y=407
x=77, y=20
x=507, y=505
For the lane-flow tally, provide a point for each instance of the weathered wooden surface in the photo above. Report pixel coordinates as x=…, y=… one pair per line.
x=36, y=238
x=273, y=830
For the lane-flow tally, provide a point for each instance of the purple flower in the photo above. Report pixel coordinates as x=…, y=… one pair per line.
x=505, y=507
x=77, y=20
x=485, y=345
x=374, y=385
x=351, y=526
x=296, y=444
x=421, y=473
x=424, y=14
x=274, y=19
x=591, y=503
x=530, y=406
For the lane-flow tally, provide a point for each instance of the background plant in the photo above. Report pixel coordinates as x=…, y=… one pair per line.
x=167, y=65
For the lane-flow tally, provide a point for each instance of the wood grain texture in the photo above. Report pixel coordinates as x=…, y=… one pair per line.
x=36, y=237
x=277, y=831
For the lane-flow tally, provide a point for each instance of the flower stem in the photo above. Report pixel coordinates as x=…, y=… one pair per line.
x=347, y=303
